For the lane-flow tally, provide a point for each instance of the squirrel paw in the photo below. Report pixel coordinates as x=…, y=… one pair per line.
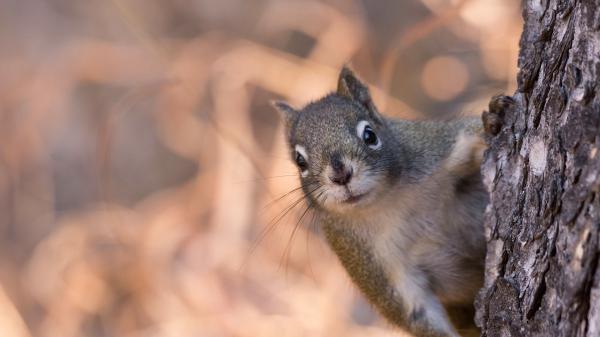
x=494, y=118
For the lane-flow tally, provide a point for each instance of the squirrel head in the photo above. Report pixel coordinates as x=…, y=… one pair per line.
x=344, y=149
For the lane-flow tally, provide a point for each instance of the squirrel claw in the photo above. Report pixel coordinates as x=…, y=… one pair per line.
x=494, y=118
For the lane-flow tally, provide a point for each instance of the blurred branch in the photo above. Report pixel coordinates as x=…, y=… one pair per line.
x=407, y=38
x=11, y=323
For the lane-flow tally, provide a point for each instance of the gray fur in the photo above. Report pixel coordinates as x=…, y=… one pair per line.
x=417, y=245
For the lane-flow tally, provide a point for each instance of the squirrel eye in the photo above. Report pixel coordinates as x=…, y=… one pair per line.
x=368, y=136
x=300, y=159
x=301, y=162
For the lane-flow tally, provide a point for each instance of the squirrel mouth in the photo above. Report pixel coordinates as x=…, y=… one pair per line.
x=352, y=199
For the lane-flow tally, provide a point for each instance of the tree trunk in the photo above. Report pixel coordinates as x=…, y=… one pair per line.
x=543, y=173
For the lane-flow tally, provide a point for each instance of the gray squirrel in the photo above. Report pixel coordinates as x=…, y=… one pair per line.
x=400, y=202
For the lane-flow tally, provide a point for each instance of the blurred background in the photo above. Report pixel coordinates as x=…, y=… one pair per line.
x=144, y=178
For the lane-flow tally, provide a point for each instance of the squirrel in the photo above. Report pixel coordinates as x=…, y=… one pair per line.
x=400, y=202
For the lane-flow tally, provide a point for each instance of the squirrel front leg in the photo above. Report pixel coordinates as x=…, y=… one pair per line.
x=466, y=155
x=400, y=292
x=425, y=315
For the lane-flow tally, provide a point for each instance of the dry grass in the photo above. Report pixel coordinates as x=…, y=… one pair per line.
x=141, y=164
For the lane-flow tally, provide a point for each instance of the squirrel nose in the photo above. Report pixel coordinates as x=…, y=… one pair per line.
x=341, y=174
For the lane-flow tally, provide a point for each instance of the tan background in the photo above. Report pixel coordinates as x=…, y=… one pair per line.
x=141, y=164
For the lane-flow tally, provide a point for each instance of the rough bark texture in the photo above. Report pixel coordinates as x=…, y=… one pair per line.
x=543, y=173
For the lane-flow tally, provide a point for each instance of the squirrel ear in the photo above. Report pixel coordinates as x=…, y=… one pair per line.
x=351, y=87
x=286, y=111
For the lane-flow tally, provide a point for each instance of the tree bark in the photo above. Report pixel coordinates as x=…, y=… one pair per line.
x=543, y=174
